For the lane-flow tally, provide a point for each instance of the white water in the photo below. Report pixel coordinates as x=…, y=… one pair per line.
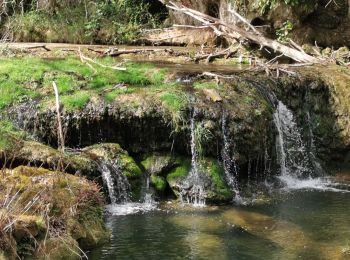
x=293, y=158
x=119, y=192
x=296, y=163
x=229, y=163
x=321, y=184
x=196, y=194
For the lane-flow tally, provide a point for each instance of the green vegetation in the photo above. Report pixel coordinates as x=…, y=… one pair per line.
x=76, y=101
x=74, y=202
x=31, y=77
x=104, y=21
x=158, y=182
x=176, y=103
x=203, y=85
x=216, y=173
x=283, y=32
x=8, y=135
x=182, y=170
x=202, y=136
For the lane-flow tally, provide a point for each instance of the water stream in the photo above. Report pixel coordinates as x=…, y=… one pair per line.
x=119, y=190
x=229, y=163
x=192, y=189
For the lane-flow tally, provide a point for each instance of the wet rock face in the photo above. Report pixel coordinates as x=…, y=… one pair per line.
x=321, y=108
x=311, y=20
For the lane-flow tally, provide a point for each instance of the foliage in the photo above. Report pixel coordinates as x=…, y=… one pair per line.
x=175, y=102
x=266, y=5
x=202, y=136
x=103, y=21
x=40, y=199
x=182, y=170
x=283, y=32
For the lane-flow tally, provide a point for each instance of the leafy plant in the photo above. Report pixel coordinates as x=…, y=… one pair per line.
x=283, y=32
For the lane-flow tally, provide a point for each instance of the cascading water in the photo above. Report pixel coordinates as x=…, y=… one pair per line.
x=192, y=188
x=116, y=182
x=230, y=167
x=119, y=190
x=292, y=155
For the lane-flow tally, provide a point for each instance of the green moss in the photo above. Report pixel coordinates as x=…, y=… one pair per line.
x=75, y=101
x=217, y=175
x=182, y=170
x=131, y=169
x=9, y=135
x=111, y=96
x=158, y=182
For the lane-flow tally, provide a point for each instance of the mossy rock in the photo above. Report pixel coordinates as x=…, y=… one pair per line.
x=67, y=199
x=111, y=151
x=158, y=163
x=216, y=188
x=159, y=183
x=180, y=171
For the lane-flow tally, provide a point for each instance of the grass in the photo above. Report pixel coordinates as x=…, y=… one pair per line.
x=8, y=133
x=176, y=103
x=31, y=77
x=76, y=101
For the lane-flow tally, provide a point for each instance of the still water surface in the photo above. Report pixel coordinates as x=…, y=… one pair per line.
x=298, y=224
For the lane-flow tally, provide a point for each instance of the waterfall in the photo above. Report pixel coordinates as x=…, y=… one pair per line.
x=229, y=163
x=192, y=188
x=116, y=182
x=292, y=154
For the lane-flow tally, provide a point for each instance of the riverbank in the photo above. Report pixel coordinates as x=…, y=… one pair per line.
x=155, y=125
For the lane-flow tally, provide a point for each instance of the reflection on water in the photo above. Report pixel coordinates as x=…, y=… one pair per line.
x=294, y=225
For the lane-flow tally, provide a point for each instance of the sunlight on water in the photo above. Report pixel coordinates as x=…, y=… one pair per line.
x=130, y=208
x=322, y=184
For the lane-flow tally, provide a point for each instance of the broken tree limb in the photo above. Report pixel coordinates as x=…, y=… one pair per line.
x=38, y=47
x=88, y=62
x=222, y=28
x=59, y=122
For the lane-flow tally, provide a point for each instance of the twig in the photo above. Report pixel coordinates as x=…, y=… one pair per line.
x=59, y=129
x=37, y=47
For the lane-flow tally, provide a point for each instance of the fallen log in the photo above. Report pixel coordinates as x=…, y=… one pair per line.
x=232, y=31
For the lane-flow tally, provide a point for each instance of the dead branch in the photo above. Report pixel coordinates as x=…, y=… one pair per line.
x=227, y=53
x=58, y=111
x=231, y=31
x=135, y=51
x=38, y=47
x=88, y=60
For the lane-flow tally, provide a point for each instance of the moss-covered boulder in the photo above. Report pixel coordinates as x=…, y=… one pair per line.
x=50, y=214
x=212, y=176
x=118, y=160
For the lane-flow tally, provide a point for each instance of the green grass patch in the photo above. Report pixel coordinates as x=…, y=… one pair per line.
x=75, y=101
x=111, y=96
x=31, y=77
x=175, y=102
x=8, y=134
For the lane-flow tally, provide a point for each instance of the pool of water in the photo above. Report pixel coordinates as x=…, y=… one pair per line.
x=300, y=223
